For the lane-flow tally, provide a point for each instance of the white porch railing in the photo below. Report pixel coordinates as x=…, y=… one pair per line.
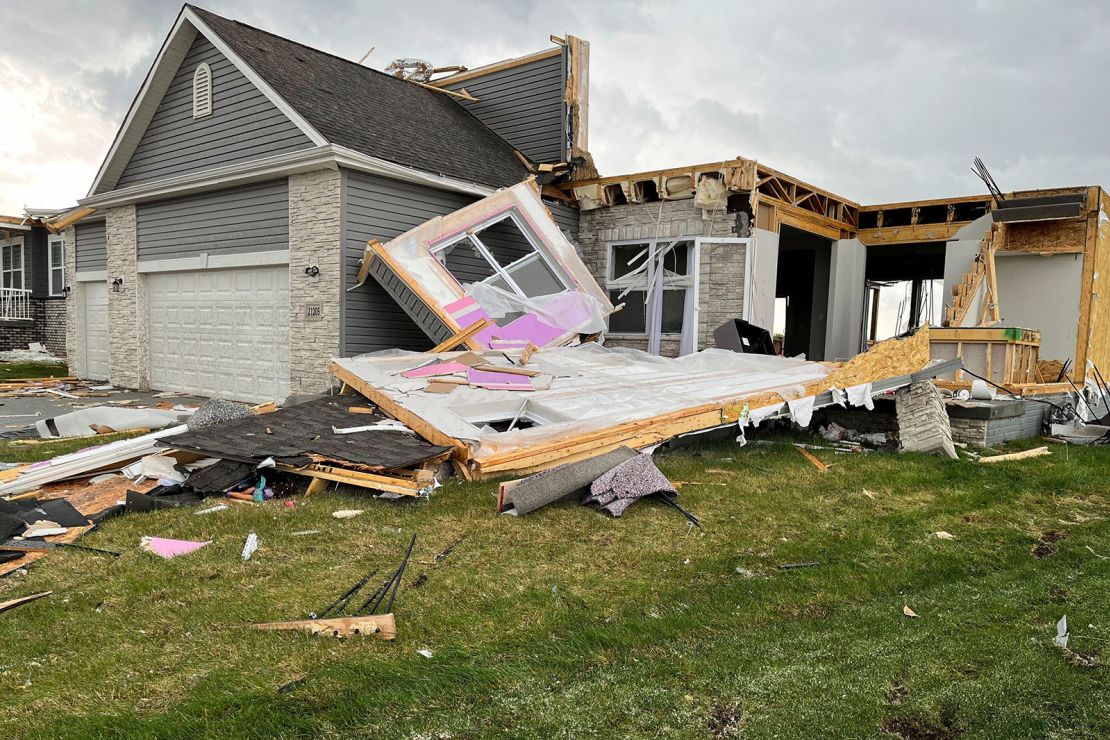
x=15, y=304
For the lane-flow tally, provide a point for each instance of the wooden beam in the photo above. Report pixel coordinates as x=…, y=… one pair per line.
x=56, y=225
x=910, y=234
x=476, y=72
x=382, y=626
x=461, y=93
x=399, y=412
x=462, y=336
x=355, y=478
x=15, y=603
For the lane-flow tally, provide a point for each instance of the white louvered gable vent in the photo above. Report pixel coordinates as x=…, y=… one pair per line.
x=202, y=91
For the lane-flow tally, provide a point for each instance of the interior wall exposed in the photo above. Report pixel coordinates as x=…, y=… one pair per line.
x=1042, y=293
x=804, y=263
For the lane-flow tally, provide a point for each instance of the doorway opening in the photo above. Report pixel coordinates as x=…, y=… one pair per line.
x=905, y=289
x=802, y=292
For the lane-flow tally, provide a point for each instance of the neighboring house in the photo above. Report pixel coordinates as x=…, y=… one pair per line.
x=32, y=284
x=228, y=219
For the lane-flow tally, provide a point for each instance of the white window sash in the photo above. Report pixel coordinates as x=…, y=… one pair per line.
x=471, y=235
x=56, y=286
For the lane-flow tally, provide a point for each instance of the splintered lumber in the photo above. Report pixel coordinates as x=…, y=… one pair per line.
x=1025, y=454
x=821, y=467
x=14, y=603
x=403, y=486
x=398, y=412
x=461, y=336
x=381, y=626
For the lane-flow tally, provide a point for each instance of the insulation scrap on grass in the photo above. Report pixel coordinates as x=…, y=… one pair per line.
x=166, y=548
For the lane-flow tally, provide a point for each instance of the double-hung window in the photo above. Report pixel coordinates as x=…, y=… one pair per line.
x=57, y=258
x=11, y=264
x=503, y=253
x=644, y=273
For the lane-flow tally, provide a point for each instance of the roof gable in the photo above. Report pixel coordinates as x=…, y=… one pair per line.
x=371, y=112
x=243, y=124
x=159, y=78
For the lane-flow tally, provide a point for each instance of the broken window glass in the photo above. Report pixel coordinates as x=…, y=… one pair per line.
x=633, y=271
x=632, y=319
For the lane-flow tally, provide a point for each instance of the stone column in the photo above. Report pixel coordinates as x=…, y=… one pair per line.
x=128, y=365
x=73, y=300
x=315, y=240
x=923, y=424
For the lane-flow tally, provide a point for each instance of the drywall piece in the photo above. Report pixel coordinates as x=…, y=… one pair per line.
x=1042, y=293
x=80, y=423
x=763, y=265
x=847, y=280
x=440, y=259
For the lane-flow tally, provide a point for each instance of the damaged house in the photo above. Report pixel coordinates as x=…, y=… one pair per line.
x=267, y=207
x=215, y=249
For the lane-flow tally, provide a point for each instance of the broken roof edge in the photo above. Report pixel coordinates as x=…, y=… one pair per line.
x=499, y=66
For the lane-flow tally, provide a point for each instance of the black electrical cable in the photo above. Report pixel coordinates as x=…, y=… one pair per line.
x=1011, y=393
x=671, y=502
x=400, y=574
x=339, y=604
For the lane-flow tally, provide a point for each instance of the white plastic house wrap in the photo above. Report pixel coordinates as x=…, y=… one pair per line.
x=504, y=259
x=506, y=414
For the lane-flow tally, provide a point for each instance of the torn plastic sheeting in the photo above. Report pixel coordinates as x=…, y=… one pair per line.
x=569, y=311
x=591, y=387
x=161, y=467
x=801, y=410
x=860, y=395
x=79, y=423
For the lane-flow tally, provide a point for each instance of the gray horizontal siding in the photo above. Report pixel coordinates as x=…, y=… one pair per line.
x=524, y=106
x=91, y=242
x=567, y=218
x=253, y=218
x=382, y=209
x=244, y=124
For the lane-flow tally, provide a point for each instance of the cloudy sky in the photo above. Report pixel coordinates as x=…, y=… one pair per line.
x=877, y=101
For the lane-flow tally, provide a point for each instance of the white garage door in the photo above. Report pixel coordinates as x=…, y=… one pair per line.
x=94, y=319
x=221, y=333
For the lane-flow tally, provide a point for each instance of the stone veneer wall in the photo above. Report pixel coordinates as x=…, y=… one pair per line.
x=315, y=239
x=72, y=302
x=54, y=325
x=46, y=326
x=128, y=365
x=721, y=269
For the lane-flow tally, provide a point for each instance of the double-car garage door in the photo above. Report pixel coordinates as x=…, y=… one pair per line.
x=220, y=333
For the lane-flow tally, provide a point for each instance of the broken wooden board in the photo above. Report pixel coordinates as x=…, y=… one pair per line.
x=381, y=626
x=15, y=603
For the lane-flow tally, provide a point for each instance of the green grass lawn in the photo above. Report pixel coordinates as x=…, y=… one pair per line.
x=566, y=623
x=18, y=370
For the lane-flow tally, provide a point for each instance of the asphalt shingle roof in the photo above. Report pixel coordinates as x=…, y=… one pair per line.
x=372, y=112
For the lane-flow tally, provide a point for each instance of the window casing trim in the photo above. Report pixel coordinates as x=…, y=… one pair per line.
x=56, y=283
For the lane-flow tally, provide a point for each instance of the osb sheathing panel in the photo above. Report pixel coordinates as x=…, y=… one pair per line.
x=1068, y=235
x=1098, y=335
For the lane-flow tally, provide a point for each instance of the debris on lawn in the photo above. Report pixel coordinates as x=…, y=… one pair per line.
x=346, y=513
x=365, y=620
x=909, y=612
x=15, y=603
x=1061, y=638
x=250, y=546
x=1023, y=455
x=166, y=548
x=941, y=535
